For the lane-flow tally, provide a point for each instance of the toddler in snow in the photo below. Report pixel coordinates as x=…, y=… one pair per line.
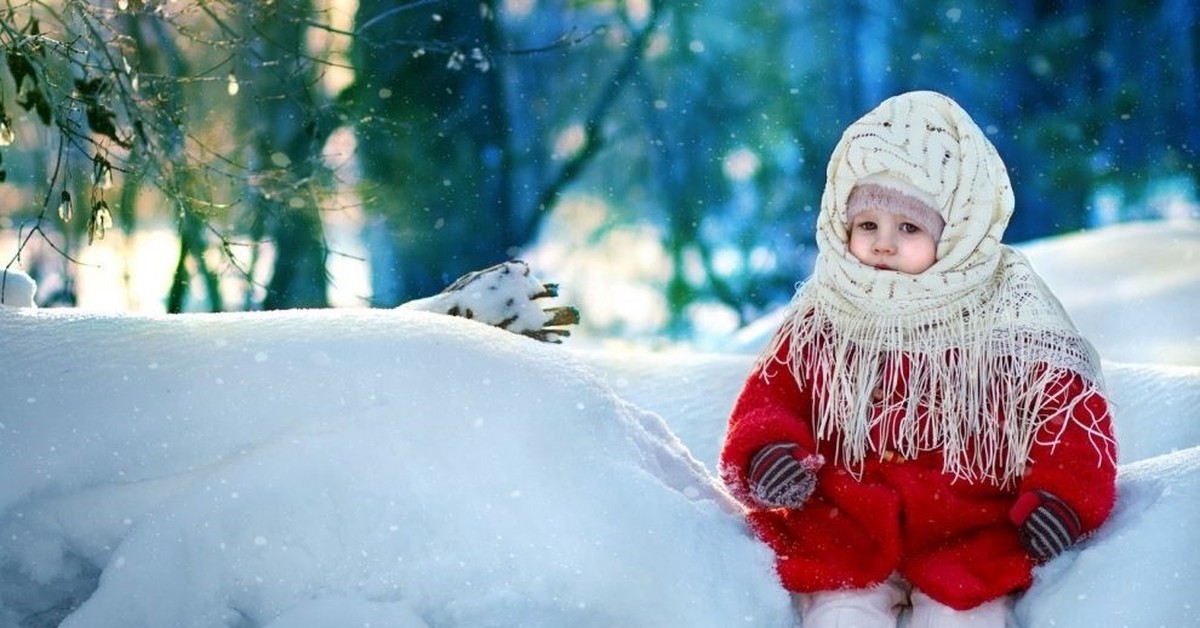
x=927, y=426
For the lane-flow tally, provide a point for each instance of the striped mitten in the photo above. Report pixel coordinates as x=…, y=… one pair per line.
x=779, y=479
x=1047, y=525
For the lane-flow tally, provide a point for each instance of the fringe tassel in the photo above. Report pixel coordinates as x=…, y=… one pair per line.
x=978, y=382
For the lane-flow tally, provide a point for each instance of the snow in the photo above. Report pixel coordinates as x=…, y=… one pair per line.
x=336, y=468
x=505, y=295
x=1130, y=287
x=16, y=288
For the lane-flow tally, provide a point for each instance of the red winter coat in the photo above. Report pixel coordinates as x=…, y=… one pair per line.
x=950, y=539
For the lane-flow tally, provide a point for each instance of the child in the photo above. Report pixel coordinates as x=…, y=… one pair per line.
x=927, y=426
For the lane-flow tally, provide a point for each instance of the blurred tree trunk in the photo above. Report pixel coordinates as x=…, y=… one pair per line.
x=191, y=247
x=298, y=278
x=287, y=127
x=431, y=120
x=686, y=165
x=159, y=52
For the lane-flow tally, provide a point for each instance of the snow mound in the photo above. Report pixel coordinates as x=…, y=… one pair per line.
x=1153, y=408
x=693, y=391
x=269, y=469
x=1132, y=289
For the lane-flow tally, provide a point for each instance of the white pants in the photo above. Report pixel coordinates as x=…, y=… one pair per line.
x=880, y=606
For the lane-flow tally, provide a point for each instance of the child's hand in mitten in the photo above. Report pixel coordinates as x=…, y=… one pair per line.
x=781, y=478
x=1047, y=525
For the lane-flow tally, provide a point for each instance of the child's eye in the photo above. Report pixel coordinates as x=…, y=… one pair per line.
x=908, y=227
x=865, y=225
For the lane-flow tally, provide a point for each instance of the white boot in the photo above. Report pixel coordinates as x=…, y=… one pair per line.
x=929, y=613
x=876, y=607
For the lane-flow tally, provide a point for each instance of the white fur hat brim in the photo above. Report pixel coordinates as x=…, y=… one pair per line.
x=894, y=195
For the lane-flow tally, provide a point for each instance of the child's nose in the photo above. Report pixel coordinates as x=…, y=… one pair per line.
x=884, y=244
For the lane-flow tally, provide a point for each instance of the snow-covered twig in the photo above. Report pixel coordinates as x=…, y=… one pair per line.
x=505, y=296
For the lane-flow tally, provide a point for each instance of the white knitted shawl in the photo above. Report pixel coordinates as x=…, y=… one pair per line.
x=982, y=335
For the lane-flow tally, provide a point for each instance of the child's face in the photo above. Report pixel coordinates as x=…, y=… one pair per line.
x=890, y=242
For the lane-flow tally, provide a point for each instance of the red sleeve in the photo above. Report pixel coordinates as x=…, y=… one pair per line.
x=1074, y=455
x=768, y=410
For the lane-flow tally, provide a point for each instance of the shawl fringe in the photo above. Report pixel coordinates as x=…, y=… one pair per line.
x=977, y=375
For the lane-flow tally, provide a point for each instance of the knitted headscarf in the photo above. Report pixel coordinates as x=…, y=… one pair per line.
x=981, y=335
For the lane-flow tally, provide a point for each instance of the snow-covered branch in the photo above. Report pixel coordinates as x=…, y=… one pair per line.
x=504, y=295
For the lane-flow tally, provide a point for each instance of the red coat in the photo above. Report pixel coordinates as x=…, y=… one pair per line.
x=951, y=539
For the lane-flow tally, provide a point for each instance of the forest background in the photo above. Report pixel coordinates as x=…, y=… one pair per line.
x=664, y=160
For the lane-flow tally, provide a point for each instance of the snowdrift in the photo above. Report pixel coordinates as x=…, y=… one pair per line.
x=1131, y=288
x=265, y=469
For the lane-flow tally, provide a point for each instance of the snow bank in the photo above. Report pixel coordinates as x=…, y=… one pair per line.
x=1133, y=289
x=267, y=469
x=1154, y=408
